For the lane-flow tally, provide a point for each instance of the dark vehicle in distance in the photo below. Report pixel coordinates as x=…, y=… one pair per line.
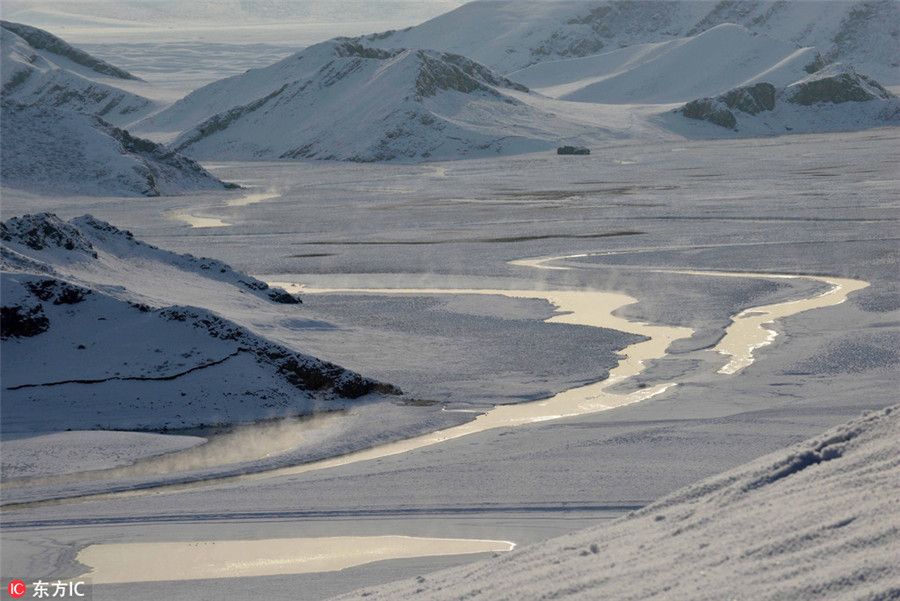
x=573, y=150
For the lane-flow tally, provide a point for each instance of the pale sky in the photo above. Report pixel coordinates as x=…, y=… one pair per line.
x=293, y=22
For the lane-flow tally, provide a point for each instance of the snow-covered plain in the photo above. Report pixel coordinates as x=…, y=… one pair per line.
x=655, y=212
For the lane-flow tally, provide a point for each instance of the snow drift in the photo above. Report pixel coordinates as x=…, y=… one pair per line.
x=90, y=341
x=817, y=520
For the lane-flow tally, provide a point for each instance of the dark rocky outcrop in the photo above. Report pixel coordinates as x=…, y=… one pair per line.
x=751, y=99
x=836, y=85
x=710, y=109
x=18, y=321
x=60, y=293
x=45, y=231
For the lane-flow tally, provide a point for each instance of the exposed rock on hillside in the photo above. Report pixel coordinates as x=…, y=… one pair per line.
x=836, y=84
x=83, y=239
x=798, y=106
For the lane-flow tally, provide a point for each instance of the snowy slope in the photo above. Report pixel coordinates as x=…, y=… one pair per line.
x=339, y=100
x=225, y=94
x=835, y=98
x=818, y=520
x=59, y=107
x=721, y=58
x=89, y=340
x=41, y=69
x=61, y=151
x=508, y=35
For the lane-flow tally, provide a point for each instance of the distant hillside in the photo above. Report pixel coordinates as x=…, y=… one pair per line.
x=88, y=342
x=59, y=110
x=721, y=58
x=41, y=69
x=862, y=32
x=340, y=100
x=60, y=151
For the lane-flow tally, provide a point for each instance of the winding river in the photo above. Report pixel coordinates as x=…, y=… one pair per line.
x=749, y=331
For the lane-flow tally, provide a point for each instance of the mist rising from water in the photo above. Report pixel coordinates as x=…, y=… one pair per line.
x=242, y=444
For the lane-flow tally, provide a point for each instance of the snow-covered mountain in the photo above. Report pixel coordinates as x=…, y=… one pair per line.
x=833, y=98
x=61, y=151
x=97, y=334
x=340, y=100
x=724, y=57
x=41, y=69
x=509, y=35
x=818, y=520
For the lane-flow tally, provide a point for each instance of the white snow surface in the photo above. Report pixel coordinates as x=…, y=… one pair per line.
x=819, y=520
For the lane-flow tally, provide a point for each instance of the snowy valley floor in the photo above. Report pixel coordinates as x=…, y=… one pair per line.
x=633, y=218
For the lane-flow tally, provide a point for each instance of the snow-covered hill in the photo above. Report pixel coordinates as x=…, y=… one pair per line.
x=509, y=35
x=721, y=58
x=832, y=99
x=58, y=113
x=96, y=334
x=61, y=151
x=340, y=100
x=818, y=520
x=41, y=69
